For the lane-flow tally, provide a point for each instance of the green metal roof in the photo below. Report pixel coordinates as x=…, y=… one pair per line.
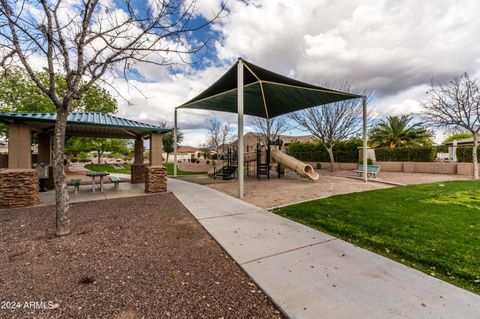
x=86, y=124
x=266, y=94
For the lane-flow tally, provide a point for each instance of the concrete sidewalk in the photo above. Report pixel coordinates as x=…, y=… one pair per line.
x=309, y=274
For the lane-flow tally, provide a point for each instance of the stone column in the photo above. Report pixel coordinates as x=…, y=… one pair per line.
x=138, y=167
x=18, y=187
x=45, y=157
x=19, y=146
x=156, y=145
x=44, y=149
x=138, y=151
x=155, y=179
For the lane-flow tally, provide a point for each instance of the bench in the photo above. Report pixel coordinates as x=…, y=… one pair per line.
x=372, y=170
x=76, y=185
x=116, y=181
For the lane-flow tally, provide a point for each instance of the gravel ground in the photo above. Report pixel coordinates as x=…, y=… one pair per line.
x=137, y=257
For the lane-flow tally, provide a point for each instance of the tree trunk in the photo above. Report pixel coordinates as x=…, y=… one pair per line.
x=166, y=160
x=99, y=158
x=61, y=191
x=474, y=155
x=332, y=159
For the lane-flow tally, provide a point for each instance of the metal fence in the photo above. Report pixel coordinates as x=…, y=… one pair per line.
x=464, y=154
x=322, y=156
x=406, y=154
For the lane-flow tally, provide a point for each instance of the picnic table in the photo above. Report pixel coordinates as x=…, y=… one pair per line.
x=94, y=175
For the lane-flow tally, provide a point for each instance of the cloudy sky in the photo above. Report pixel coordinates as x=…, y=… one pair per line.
x=394, y=48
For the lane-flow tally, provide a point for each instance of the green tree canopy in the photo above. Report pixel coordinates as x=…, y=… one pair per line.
x=101, y=146
x=168, y=139
x=19, y=94
x=396, y=131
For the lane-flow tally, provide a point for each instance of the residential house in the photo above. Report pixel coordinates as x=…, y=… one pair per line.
x=185, y=154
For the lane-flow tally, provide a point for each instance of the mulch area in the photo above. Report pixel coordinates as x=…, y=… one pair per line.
x=137, y=257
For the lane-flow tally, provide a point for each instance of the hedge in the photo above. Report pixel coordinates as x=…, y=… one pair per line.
x=406, y=154
x=464, y=154
x=347, y=152
x=343, y=152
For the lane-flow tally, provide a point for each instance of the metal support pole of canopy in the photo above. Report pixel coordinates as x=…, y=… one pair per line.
x=240, y=127
x=365, y=140
x=175, y=143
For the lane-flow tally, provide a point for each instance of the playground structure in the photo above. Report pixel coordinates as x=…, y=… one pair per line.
x=263, y=158
x=247, y=89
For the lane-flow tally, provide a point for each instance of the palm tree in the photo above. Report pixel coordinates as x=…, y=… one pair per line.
x=396, y=131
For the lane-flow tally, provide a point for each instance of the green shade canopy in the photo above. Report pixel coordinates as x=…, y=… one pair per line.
x=85, y=124
x=266, y=94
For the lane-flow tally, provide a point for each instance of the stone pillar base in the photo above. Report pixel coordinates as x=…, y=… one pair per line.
x=156, y=179
x=18, y=187
x=138, y=172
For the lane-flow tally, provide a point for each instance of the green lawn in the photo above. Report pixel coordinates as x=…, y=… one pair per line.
x=126, y=170
x=434, y=228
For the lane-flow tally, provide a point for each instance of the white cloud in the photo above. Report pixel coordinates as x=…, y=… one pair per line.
x=208, y=8
x=392, y=47
x=387, y=46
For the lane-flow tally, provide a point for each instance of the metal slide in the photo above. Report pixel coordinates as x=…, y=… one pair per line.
x=302, y=169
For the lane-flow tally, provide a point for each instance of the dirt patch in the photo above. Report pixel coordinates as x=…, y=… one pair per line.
x=137, y=257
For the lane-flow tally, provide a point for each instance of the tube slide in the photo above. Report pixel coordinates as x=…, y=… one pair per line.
x=302, y=169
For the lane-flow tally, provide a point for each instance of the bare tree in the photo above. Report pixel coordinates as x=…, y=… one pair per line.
x=456, y=105
x=85, y=41
x=269, y=129
x=213, y=135
x=226, y=135
x=333, y=122
x=219, y=135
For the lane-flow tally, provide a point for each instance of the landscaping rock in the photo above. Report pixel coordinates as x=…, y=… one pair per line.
x=156, y=179
x=18, y=187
